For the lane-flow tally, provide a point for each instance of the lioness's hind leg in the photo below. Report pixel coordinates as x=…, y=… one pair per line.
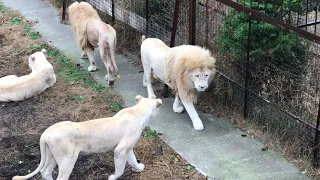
x=132, y=161
x=50, y=164
x=66, y=165
x=93, y=66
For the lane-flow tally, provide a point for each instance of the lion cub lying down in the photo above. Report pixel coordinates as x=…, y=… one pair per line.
x=62, y=142
x=13, y=88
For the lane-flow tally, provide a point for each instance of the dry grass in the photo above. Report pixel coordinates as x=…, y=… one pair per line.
x=212, y=101
x=22, y=123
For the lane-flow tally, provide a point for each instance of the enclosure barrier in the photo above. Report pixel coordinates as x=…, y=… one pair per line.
x=255, y=107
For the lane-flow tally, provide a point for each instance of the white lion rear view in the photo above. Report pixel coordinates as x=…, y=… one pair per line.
x=91, y=32
x=13, y=88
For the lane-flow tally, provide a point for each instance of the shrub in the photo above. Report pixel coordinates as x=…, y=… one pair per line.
x=268, y=42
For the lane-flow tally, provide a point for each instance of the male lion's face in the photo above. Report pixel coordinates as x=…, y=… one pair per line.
x=201, y=78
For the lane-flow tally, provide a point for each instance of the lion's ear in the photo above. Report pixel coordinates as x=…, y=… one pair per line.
x=158, y=103
x=138, y=98
x=44, y=51
x=32, y=57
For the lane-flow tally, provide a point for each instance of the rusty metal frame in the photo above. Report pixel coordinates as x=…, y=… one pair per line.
x=271, y=20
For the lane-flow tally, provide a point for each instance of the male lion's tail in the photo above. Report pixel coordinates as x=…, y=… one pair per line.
x=143, y=38
x=43, y=150
x=112, y=49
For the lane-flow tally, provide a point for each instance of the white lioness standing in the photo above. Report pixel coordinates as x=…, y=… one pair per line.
x=186, y=69
x=13, y=88
x=61, y=143
x=91, y=32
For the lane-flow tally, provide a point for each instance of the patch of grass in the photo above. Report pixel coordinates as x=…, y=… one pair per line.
x=33, y=48
x=174, y=158
x=68, y=70
x=30, y=33
x=149, y=133
x=15, y=20
x=115, y=107
x=3, y=9
x=79, y=98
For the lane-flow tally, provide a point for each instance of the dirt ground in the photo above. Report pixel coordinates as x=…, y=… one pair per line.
x=21, y=123
x=207, y=101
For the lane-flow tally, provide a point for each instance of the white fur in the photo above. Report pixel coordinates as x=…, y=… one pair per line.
x=13, y=88
x=91, y=32
x=61, y=143
x=191, y=69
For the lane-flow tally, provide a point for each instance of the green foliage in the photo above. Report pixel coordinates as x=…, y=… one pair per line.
x=3, y=9
x=276, y=8
x=115, y=107
x=15, y=20
x=149, y=133
x=30, y=33
x=79, y=98
x=267, y=41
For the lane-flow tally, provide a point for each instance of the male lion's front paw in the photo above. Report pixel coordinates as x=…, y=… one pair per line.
x=138, y=168
x=198, y=126
x=178, y=109
x=92, y=68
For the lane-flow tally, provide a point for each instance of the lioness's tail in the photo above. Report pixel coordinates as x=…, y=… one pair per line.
x=43, y=149
x=143, y=38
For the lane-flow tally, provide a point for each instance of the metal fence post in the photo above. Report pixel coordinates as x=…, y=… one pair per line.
x=64, y=8
x=207, y=24
x=245, y=106
x=316, y=155
x=112, y=6
x=147, y=17
x=192, y=22
x=175, y=23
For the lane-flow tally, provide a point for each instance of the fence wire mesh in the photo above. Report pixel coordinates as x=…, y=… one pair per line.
x=284, y=68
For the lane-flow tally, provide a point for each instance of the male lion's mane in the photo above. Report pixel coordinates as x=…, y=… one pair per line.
x=182, y=60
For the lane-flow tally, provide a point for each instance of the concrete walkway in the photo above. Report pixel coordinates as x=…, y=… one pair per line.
x=219, y=151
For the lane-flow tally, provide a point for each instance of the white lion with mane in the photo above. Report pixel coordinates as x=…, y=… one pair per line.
x=185, y=69
x=91, y=32
x=61, y=143
x=13, y=88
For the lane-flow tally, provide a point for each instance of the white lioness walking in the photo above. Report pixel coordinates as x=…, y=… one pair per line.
x=13, y=88
x=185, y=69
x=61, y=143
x=91, y=32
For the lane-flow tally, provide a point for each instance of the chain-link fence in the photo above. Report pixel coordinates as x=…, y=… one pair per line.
x=276, y=87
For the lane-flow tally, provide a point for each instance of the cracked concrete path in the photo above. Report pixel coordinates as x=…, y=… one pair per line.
x=219, y=151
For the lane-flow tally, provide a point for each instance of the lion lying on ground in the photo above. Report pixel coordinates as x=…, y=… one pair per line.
x=90, y=33
x=13, y=88
x=186, y=69
x=61, y=143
